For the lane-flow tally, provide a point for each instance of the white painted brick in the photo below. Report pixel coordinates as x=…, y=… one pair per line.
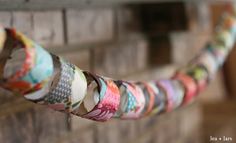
x=142, y=54
x=78, y=123
x=89, y=25
x=120, y=58
x=5, y=19
x=108, y=132
x=48, y=27
x=187, y=44
x=190, y=120
x=23, y=22
x=85, y=136
x=127, y=21
x=80, y=58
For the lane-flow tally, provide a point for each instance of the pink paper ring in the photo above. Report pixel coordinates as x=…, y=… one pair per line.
x=189, y=85
x=109, y=100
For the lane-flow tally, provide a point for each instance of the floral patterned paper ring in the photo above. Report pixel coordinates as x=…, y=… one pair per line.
x=108, y=96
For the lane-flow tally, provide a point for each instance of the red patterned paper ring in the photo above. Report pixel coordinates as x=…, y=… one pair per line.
x=13, y=82
x=29, y=51
x=109, y=99
x=189, y=85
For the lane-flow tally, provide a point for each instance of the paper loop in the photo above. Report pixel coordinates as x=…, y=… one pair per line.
x=132, y=100
x=219, y=53
x=149, y=95
x=66, y=93
x=189, y=85
x=207, y=60
x=224, y=37
x=169, y=92
x=36, y=69
x=200, y=75
x=2, y=37
x=108, y=99
x=160, y=98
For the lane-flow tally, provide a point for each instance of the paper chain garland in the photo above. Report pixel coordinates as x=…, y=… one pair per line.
x=41, y=77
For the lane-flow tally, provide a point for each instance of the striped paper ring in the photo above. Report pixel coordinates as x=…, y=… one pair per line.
x=179, y=93
x=160, y=98
x=149, y=95
x=170, y=93
x=189, y=85
x=108, y=99
x=132, y=100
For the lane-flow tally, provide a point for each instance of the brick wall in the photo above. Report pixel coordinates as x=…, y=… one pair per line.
x=112, y=41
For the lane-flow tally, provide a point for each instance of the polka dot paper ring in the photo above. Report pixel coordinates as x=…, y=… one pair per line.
x=132, y=100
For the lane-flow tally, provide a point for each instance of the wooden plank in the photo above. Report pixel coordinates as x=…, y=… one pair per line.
x=60, y=4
